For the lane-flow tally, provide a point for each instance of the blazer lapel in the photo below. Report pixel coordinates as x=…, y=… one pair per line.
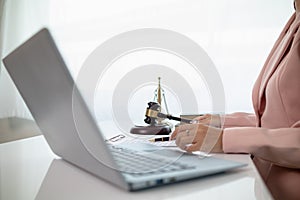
x=277, y=57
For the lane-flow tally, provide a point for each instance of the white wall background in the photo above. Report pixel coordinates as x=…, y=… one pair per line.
x=19, y=19
x=236, y=34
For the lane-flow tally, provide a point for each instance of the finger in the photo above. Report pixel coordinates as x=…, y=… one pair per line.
x=198, y=139
x=185, y=136
x=202, y=117
x=185, y=127
x=206, y=119
x=191, y=128
x=179, y=137
x=183, y=142
x=181, y=128
x=193, y=147
x=174, y=134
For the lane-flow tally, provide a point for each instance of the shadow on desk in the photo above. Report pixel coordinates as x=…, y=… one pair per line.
x=66, y=181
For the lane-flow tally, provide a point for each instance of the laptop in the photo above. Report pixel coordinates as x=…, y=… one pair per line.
x=69, y=127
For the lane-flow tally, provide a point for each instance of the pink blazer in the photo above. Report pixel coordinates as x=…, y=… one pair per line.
x=272, y=134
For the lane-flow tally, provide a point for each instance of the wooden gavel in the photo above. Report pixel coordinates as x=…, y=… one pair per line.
x=153, y=113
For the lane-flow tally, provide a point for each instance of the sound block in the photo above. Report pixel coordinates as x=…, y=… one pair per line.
x=151, y=130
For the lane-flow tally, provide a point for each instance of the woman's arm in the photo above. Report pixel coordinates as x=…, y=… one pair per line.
x=238, y=119
x=279, y=146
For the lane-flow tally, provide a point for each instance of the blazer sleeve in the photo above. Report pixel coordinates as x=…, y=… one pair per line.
x=239, y=119
x=279, y=146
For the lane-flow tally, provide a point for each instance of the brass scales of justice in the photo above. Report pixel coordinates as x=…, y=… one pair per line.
x=155, y=118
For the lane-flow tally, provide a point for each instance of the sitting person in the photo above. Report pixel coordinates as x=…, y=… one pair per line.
x=272, y=134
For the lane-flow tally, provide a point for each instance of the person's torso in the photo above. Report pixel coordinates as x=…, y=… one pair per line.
x=276, y=102
x=280, y=89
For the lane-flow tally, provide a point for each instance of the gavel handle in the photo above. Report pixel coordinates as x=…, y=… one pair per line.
x=189, y=121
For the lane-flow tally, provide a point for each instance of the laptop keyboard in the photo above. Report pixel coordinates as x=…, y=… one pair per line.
x=137, y=164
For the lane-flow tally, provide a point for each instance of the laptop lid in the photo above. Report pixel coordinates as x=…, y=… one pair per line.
x=48, y=90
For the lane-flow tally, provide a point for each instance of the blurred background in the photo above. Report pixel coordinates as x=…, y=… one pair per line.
x=236, y=34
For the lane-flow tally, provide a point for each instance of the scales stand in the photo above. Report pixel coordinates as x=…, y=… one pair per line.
x=157, y=126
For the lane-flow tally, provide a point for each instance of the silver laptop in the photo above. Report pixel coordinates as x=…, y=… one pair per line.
x=43, y=80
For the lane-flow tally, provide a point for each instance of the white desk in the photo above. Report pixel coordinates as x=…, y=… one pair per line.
x=28, y=170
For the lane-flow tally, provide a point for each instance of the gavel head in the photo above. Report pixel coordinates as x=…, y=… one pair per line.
x=152, y=112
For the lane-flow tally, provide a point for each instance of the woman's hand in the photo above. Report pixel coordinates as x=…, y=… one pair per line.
x=198, y=137
x=209, y=120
